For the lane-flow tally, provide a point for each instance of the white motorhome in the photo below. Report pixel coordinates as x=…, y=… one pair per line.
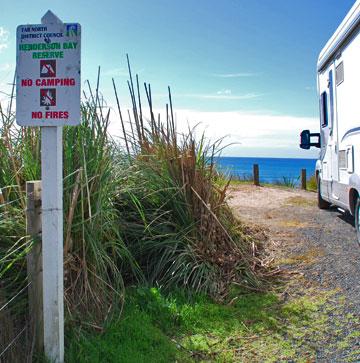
x=338, y=79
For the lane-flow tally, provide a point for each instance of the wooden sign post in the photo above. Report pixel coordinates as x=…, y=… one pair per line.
x=48, y=95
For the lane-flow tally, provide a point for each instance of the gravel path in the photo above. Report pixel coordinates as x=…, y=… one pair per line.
x=340, y=263
x=324, y=242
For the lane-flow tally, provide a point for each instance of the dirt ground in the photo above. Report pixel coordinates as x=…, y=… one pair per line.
x=319, y=245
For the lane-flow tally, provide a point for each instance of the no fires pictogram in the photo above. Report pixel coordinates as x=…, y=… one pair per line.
x=48, y=97
x=48, y=68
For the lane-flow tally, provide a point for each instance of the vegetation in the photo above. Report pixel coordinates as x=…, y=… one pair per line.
x=147, y=211
x=285, y=181
x=301, y=201
x=288, y=182
x=242, y=179
x=247, y=327
x=311, y=184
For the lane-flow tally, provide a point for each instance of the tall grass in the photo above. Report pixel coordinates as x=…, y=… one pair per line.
x=311, y=183
x=94, y=251
x=13, y=285
x=148, y=210
x=186, y=234
x=13, y=244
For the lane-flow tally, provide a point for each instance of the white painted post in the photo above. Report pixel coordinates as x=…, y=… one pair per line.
x=52, y=241
x=51, y=109
x=52, y=235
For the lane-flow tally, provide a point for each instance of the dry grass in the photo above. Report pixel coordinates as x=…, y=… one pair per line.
x=300, y=201
x=293, y=224
x=309, y=257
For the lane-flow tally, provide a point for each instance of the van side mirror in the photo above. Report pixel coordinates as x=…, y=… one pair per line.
x=305, y=139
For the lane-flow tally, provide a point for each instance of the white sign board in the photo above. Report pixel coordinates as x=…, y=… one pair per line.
x=48, y=74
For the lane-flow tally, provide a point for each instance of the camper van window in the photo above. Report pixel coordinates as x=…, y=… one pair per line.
x=342, y=160
x=339, y=74
x=323, y=110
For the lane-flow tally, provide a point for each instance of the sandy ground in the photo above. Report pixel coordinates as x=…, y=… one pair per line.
x=261, y=204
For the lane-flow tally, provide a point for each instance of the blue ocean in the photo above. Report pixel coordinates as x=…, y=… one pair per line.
x=271, y=170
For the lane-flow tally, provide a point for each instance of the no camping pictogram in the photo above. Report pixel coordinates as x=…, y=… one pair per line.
x=48, y=68
x=48, y=97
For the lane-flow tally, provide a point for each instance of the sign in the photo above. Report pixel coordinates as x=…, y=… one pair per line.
x=48, y=74
x=48, y=95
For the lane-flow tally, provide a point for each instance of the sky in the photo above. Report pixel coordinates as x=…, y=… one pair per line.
x=240, y=69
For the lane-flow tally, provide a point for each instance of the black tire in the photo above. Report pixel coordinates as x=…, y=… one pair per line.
x=322, y=204
x=357, y=217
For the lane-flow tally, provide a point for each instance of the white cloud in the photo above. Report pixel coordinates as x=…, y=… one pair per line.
x=235, y=75
x=120, y=72
x=221, y=95
x=115, y=72
x=251, y=134
x=4, y=38
x=6, y=79
x=224, y=92
x=247, y=127
x=5, y=67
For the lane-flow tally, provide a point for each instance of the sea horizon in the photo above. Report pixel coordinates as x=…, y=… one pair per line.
x=265, y=157
x=271, y=169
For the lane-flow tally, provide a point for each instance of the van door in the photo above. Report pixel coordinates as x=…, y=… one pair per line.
x=333, y=137
x=326, y=144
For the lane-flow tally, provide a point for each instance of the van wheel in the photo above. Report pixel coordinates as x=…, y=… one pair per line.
x=357, y=219
x=322, y=204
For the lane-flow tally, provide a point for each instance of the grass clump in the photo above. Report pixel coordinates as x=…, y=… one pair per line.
x=288, y=182
x=311, y=184
x=181, y=231
x=237, y=179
